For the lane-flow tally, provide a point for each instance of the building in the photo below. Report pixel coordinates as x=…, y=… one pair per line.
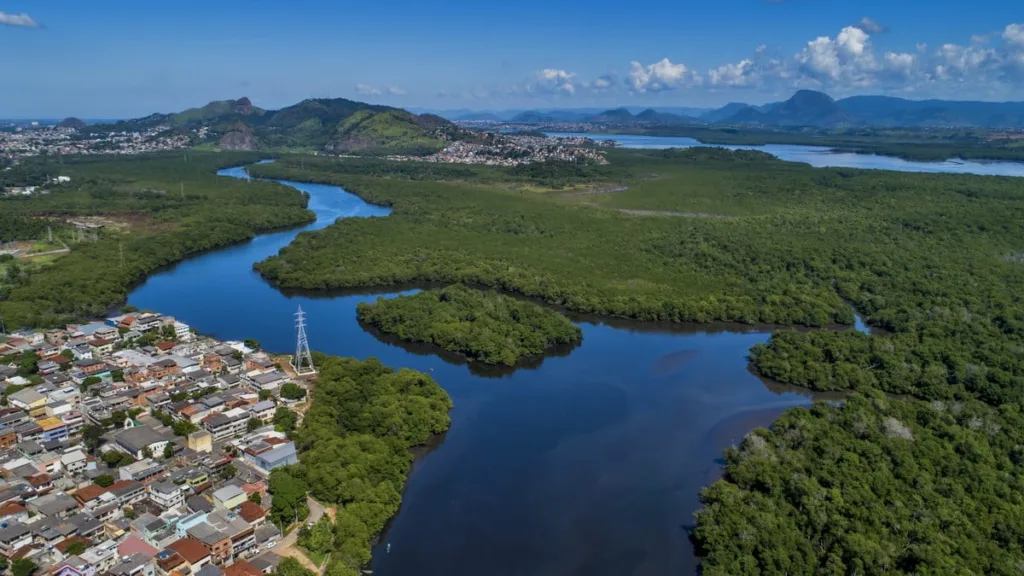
x=127, y=491
x=137, y=440
x=241, y=534
x=136, y=564
x=192, y=551
x=101, y=347
x=74, y=461
x=182, y=332
x=266, y=457
x=226, y=424
x=229, y=497
x=166, y=494
x=201, y=441
x=217, y=542
x=28, y=400
x=53, y=428
x=264, y=411
x=16, y=535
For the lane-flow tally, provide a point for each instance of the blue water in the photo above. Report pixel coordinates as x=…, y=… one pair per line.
x=588, y=462
x=820, y=156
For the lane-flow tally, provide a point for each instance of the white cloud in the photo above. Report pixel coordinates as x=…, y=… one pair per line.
x=555, y=80
x=980, y=38
x=20, y=20
x=396, y=91
x=366, y=90
x=739, y=74
x=1013, y=34
x=871, y=26
x=660, y=76
x=846, y=60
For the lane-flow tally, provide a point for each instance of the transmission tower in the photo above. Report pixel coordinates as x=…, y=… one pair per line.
x=303, y=361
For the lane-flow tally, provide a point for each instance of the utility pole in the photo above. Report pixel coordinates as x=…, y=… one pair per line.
x=120, y=252
x=49, y=233
x=182, y=185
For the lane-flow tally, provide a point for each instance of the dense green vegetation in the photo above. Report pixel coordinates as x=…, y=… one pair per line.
x=928, y=481
x=158, y=209
x=485, y=326
x=354, y=450
x=871, y=487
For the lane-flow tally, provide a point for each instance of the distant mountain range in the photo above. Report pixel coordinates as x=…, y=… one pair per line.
x=806, y=108
x=331, y=125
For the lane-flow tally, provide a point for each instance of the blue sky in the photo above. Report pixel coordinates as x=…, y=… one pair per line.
x=114, y=58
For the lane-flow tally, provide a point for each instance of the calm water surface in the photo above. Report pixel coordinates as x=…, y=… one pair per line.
x=819, y=156
x=586, y=463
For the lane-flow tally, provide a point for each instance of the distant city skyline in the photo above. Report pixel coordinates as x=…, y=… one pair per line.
x=120, y=59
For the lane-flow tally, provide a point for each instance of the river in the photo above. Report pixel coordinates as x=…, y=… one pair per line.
x=588, y=462
x=818, y=156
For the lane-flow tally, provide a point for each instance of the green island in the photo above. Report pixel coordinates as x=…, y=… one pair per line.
x=135, y=214
x=485, y=326
x=354, y=446
x=919, y=470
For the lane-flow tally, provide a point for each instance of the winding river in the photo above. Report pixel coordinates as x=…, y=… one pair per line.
x=588, y=461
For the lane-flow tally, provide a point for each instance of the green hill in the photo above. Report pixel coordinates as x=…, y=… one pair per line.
x=332, y=125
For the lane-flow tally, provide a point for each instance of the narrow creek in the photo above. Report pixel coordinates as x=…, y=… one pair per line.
x=585, y=462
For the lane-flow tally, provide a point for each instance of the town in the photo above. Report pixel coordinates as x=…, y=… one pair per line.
x=59, y=140
x=133, y=446
x=516, y=150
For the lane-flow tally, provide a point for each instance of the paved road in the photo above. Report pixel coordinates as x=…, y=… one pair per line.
x=287, y=546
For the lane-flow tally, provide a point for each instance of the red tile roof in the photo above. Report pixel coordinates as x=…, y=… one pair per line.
x=191, y=550
x=90, y=492
x=242, y=568
x=251, y=511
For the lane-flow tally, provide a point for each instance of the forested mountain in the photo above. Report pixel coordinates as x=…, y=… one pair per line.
x=805, y=108
x=331, y=124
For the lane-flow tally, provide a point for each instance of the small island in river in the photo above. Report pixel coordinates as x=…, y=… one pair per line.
x=484, y=326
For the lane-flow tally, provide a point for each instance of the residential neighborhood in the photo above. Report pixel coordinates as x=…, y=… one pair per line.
x=133, y=447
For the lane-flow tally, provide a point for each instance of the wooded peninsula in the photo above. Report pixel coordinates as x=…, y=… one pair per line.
x=485, y=326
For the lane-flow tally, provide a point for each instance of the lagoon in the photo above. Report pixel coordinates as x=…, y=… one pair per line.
x=818, y=156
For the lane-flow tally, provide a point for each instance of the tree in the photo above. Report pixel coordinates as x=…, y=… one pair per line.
x=228, y=472
x=104, y=480
x=115, y=458
x=92, y=436
x=266, y=394
x=289, y=489
x=237, y=355
x=75, y=548
x=253, y=424
x=169, y=333
x=128, y=309
x=68, y=354
x=255, y=498
x=147, y=452
x=183, y=427
x=88, y=382
x=117, y=375
x=23, y=567
x=168, y=451
x=292, y=391
x=319, y=537
x=284, y=420
x=252, y=343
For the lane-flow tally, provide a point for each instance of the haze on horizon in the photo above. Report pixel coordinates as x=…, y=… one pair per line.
x=120, y=59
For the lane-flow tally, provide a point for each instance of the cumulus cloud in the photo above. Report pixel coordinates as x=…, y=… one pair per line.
x=1013, y=35
x=555, y=80
x=20, y=20
x=367, y=90
x=871, y=26
x=396, y=91
x=660, y=76
x=847, y=59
